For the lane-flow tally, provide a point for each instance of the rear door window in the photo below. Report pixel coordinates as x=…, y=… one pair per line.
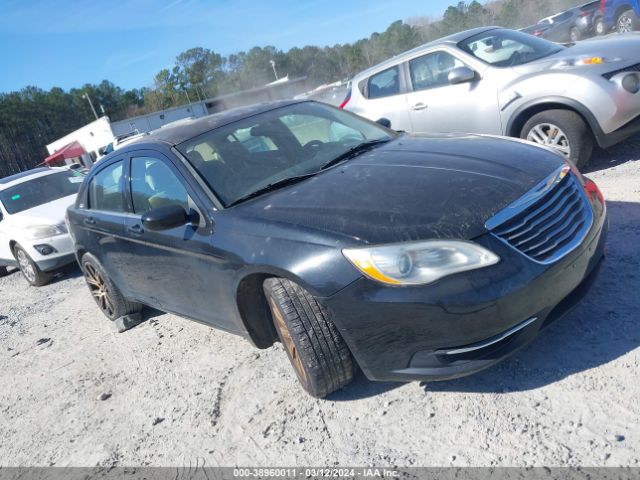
x=385, y=83
x=106, y=189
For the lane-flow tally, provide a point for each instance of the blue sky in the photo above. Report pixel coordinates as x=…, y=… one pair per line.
x=68, y=43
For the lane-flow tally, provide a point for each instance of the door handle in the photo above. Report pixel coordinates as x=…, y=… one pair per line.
x=419, y=106
x=135, y=229
x=90, y=221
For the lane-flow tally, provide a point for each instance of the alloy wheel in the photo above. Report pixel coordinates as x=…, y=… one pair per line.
x=26, y=265
x=99, y=289
x=552, y=136
x=625, y=24
x=287, y=341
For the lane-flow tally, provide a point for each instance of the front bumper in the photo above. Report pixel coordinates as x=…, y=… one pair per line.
x=466, y=322
x=63, y=252
x=606, y=140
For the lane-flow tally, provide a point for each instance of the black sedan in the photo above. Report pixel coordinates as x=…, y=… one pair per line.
x=412, y=257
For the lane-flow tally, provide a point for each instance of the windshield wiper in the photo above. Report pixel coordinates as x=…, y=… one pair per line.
x=272, y=186
x=352, y=152
x=291, y=180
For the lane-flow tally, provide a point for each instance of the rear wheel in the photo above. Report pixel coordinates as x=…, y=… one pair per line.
x=600, y=26
x=320, y=357
x=106, y=295
x=564, y=131
x=627, y=22
x=29, y=269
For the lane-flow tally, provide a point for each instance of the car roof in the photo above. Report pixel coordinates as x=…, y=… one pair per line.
x=178, y=132
x=12, y=180
x=449, y=40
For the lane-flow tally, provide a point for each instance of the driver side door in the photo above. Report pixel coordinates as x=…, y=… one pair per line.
x=177, y=269
x=437, y=106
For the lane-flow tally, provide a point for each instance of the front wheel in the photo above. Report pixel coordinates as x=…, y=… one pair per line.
x=627, y=22
x=562, y=130
x=575, y=35
x=29, y=269
x=106, y=295
x=320, y=357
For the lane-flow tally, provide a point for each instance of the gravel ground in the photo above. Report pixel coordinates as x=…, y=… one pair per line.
x=73, y=392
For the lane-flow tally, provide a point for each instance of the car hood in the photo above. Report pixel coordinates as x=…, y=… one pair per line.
x=618, y=50
x=51, y=213
x=412, y=188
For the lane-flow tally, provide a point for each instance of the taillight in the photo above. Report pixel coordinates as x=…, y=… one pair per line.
x=592, y=190
x=346, y=100
x=603, y=4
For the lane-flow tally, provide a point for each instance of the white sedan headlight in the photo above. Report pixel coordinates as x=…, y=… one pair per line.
x=34, y=232
x=419, y=263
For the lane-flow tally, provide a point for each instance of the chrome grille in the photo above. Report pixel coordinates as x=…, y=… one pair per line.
x=551, y=225
x=632, y=68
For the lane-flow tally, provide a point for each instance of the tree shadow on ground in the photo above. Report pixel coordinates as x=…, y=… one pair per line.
x=627, y=151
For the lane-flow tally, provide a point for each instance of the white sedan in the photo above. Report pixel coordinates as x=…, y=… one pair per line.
x=33, y=234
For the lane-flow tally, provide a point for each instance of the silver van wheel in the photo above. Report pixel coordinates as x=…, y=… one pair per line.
x=552, y=136
x=26, y=266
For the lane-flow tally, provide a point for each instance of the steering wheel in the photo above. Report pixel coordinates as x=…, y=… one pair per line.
x=313, y=144
x=350, y=139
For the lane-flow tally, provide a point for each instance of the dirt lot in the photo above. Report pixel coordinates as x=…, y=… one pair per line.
x=180, y=393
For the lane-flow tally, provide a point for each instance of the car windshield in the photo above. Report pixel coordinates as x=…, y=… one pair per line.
x=508, y=48
x=290, y=142
x=39, y=191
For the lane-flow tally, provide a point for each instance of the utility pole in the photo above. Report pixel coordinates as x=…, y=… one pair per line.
x=86, y=95
x=273, y=65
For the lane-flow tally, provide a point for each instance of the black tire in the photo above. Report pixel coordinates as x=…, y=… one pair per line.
x=320, y=357
x=4, y=272
x=29, y=269
x=599, y=27
x=627, y=22
x=575, y=35
x=579, y=137
x=106, y=295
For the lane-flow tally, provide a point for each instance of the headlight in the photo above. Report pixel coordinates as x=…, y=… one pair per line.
x=419, y=263
x=43, y=231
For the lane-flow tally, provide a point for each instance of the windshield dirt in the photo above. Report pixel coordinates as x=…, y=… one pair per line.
x=246, y=156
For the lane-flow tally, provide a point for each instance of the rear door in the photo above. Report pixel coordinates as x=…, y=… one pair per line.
x=435, y=105
x=101, y=222
x=385, y=97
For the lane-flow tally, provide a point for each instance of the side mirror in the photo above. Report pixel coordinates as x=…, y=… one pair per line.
x=385, y=122
x=461, y=75
x=164, y=218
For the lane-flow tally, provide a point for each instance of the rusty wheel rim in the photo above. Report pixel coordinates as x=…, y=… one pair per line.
x=99, y=289
x=287, y=341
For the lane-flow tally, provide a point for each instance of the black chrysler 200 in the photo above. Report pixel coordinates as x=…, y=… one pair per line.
x=410, y=257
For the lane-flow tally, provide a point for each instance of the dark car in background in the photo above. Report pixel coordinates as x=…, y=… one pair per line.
x=412, y=257
x=570, y=26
